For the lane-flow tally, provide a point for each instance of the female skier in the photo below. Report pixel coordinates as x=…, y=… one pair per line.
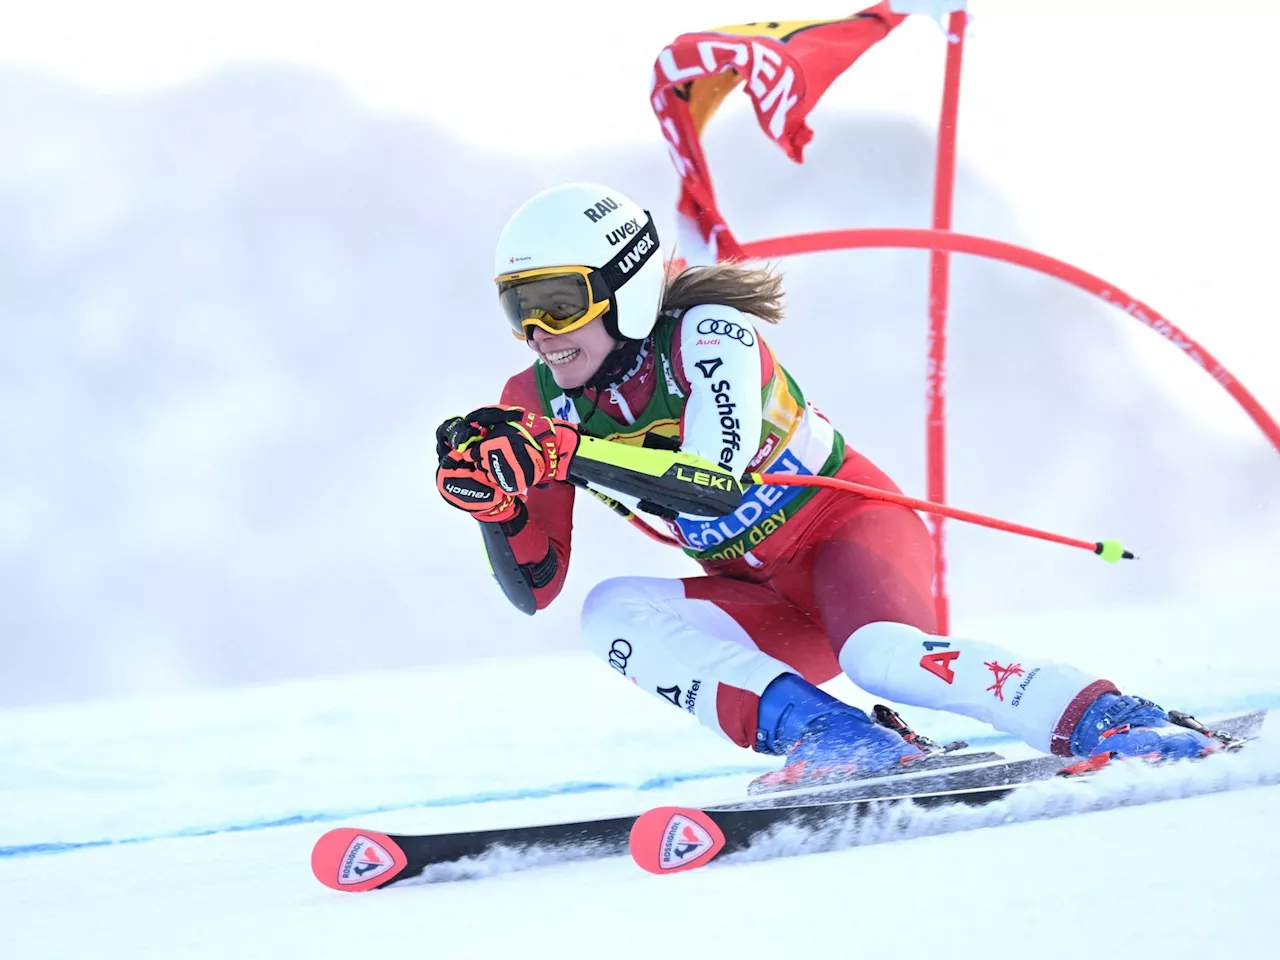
x=658, y=395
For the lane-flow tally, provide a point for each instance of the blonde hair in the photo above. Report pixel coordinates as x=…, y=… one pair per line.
x=756, y=290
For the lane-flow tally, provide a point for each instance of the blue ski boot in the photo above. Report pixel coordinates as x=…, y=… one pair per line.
x=1119, y=726
x=824, y=739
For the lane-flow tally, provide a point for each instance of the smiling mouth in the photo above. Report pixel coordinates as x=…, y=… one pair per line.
x=560, y=357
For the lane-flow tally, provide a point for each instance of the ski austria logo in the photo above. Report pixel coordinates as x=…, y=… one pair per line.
x=1002, y=675
x=364, y=860
x=726, y=328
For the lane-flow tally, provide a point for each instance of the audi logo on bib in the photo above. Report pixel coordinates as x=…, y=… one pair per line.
x=619, y=654
x=726, y=328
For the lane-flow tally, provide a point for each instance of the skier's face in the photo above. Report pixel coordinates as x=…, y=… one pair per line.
x=575, y=356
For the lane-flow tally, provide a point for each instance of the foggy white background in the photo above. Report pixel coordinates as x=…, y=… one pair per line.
x=245, y=255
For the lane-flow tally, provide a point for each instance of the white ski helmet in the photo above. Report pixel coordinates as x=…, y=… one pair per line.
x=576, y=252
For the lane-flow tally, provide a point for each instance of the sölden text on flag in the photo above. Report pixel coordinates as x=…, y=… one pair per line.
x=785, y=67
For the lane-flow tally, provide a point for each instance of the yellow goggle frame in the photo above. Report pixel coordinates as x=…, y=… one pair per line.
x=595, y=308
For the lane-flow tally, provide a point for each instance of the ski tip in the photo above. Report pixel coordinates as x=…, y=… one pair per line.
x=671, y=839
x=352, y=860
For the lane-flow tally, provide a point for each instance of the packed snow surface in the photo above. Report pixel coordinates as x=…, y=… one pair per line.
x=182, y=828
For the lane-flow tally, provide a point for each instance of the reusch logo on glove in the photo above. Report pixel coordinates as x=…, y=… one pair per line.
x=472, y=493
x=496, y=464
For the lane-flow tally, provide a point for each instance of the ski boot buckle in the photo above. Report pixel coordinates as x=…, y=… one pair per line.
x=1228, y=741
x=891, y=719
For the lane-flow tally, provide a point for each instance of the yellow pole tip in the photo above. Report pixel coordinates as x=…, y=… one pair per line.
x=1112, y=551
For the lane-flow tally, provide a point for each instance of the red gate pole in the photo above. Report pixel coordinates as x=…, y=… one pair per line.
x=939, y=275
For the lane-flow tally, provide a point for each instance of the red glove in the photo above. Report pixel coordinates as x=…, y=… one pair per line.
x=468, y=488
x=518, y=449
x=461, y=482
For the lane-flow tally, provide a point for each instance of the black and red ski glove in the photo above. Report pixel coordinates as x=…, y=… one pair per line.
x=495, y=454
x=518, y=449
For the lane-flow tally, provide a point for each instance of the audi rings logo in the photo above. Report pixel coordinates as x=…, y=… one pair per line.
x=619, y=654
x=725, y=328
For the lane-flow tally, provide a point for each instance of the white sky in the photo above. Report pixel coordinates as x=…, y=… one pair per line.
x=1134, y=137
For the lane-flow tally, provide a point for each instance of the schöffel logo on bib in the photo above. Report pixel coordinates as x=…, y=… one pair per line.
x=759, y=503
x=709, y=366
x=727, y=328
x=729, y=425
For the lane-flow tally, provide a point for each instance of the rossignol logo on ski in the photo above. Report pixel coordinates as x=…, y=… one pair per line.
x=353, y=860
x=364, y=860
x=670, y=839
x=682, y=841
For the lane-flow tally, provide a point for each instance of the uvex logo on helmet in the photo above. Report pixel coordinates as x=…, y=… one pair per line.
x=595, y=229
x=635, y=256
x=628, y=229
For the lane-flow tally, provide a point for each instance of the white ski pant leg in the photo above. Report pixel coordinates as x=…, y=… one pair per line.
x=679, y=649
x=1038, y=701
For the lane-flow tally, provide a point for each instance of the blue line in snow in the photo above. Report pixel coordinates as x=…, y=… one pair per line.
x=659, y=782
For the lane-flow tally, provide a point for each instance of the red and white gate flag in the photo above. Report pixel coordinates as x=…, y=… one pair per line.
x=785, y=67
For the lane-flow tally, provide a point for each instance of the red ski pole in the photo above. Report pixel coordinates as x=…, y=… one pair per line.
x=1109, y=550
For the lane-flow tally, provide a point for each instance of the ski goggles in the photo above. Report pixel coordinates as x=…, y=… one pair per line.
x=557, y=299
x=564, y=298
